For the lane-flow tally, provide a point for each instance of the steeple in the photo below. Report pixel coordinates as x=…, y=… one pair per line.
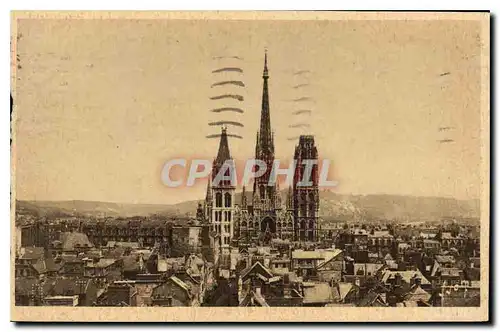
x=264, y=149
x=266, y=74
x=243, y=198
x=265, y=134
x=208, y=197
x=223, y=153
x=289, y=198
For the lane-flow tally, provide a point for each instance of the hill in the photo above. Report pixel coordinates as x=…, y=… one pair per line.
x=332, y=206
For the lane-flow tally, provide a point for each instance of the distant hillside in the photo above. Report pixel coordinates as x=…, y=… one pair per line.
x=332, y=206
x=395, y=207
x=92, y=209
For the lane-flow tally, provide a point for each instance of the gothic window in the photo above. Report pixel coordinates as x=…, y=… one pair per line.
x=218, y=200
x=303, y=211
x=311, y=224
x=227, y=199
x=279, y=225
x=290, y=225
x=228, y=215
x=244, y=224
x=218, y=215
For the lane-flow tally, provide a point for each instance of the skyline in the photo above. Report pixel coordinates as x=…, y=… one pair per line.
x=420, y=82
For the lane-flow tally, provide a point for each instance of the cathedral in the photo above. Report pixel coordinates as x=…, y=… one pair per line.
x=264, y=215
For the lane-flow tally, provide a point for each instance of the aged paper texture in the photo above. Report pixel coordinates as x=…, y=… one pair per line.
x=250, y=166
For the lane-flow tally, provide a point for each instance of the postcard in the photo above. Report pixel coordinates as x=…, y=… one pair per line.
x=250, y=166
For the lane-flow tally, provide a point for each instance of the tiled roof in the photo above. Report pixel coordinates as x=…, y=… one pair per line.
x=315, y=254
x=318, y=293
x=32, y=253
x=102, y=263
x=248, y=269
x=73, y=239
x=383, y=234
x=443, y=259
x=417, y=294
x=342, y=289
x=406, y=276
x=45, y=265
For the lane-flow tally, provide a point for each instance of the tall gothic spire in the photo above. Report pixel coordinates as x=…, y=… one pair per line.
x=264, y=149
x=243, y=198
x=265, y=137
x=208, y=196
x=223, y=154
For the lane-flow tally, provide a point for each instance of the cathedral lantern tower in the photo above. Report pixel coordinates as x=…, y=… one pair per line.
x=264, y=149
x=306, y=193
x=264, y=195
x=220, y=195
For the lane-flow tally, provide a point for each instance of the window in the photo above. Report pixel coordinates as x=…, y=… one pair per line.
x=303, y=210
x=227, y=199
x=218, y=200
x=228, y=215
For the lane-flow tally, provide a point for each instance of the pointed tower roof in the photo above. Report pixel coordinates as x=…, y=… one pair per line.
x=209, y=191
x=265, y=133
x=244, y=197
x=223, y=153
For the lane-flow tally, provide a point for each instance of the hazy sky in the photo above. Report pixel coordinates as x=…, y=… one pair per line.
x=102, y=104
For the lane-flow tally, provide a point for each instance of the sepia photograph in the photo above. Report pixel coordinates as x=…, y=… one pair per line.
x=250, y=166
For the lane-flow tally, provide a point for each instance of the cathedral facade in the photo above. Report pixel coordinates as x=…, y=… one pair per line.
x=262, y=214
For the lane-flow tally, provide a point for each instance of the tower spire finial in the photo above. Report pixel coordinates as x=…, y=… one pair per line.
x=266, y=73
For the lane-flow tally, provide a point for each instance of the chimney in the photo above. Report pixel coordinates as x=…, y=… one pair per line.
x=266, y=262
x=257, y=291
x=471, y=265
x=416, y=280
x=397, y=279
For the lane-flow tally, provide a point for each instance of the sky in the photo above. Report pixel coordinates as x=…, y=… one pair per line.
x=102, y=104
